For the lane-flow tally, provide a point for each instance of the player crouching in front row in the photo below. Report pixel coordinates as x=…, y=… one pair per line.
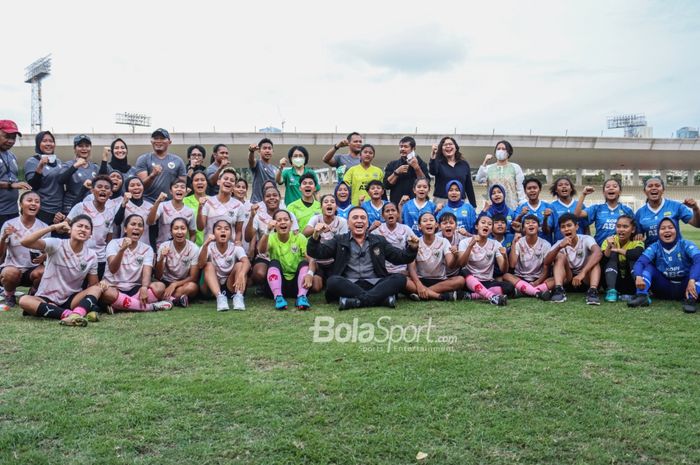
x=576, y=258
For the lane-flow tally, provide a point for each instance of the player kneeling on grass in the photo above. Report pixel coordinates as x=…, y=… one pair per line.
x=530, y=274
x=576, y=258
x=290, y=271
x=225, y=266
x=428, y=272
x=127, y=280
x=479, y=256
x=670, y=267
x=177, y=264
x=21, y=266
x=69, y=261
x=620, y=252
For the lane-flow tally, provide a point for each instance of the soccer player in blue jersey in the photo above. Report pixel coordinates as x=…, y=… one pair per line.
x=603, y=215
x=564, y=191
x=535, y=206
x=374, y=205
x=657, y=208
x=670, y=267
x=463, y=211
x=412, y=209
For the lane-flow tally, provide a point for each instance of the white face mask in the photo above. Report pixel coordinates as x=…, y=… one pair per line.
x=298, y=161
x=501, y=155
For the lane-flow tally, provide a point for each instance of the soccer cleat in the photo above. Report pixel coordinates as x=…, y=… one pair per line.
x=639, y=300
x=559, y=295
x=611, y=295
x=162, y=305
x=592, y=296
x=544, y=296
x=390, y=301
x=10, y=300
x=92, y=317
x=689, y=306
x=280, y=303
x=499, y=300
x=73, y=320
x=414, y=297
x=346, y=303
x=238, y=301
x=221, y=303
x=449, y=296
x=183, y=301
x=303, y=303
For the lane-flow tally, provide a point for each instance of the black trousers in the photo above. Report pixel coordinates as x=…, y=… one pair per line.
x=370, y=295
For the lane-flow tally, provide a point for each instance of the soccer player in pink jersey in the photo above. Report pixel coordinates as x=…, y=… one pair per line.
x=479, y=256
x=177, y=264
x=225, y=266
x=333, y=225
x=240, y=193
x=133, y=203
x=164, y=211
x=428, y=272
x=21, y=266
x=395, y=233
x=222, y=206
x=127, y=279
x=69, y=261
x=530, y=274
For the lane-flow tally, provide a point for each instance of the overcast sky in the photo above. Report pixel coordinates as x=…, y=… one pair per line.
x=508, y=66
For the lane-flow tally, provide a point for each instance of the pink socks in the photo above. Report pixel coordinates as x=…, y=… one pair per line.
x=300, y=281
x=274, y=280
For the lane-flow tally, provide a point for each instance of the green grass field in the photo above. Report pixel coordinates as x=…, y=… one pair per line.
x=530, y=383
x=534, y=382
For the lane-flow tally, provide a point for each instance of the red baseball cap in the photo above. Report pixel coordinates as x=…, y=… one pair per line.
x=9, y=127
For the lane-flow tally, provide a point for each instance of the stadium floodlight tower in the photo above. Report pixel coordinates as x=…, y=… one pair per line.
x=34, y=74
x=629, y=122
x=133, y=120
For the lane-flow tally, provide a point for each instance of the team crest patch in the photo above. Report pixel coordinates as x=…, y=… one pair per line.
x=376, y=251
x=295, y=249
x=139, y=260
x=667, y=214
x=231, y=213
x=579, y=254
x=229, y=261
x=171, y=165
x=489, y=256
x=83, y=266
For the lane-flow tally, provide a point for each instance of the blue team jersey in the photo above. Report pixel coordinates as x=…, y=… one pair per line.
x=604, y=219
x=466, y=216
x=510, y=216
x=675, y=263
x=410, y=214
x=560, y=208
x=539, y=213
x=373, y=214
x=648, y=220
x=507, y=242
x=343, y=212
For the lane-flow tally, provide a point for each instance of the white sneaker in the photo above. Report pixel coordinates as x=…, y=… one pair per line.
x=162, y=305
x=221, y=303
x=238, y=301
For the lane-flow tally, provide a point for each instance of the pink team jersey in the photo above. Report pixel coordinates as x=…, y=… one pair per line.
x=530, y=259
x=15, y=253
x=142, y=211
x=65, y=270
x=166, y=213
x=214, y=210
x=454, y=242
x=398, y=237
x=578, y=255
x=224, y=262
x=178, y=264
x=430, y=259
x=129, y=273
x=482, y=260
x=102, y=224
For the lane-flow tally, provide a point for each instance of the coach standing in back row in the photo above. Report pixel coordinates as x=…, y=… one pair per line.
x=159, y=168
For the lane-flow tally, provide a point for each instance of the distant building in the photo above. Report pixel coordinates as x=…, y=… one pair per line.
x=270, y=129
x=688, y=133
x=645, y=132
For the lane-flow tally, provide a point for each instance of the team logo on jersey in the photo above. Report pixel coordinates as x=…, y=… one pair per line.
x=83, y=266
x=463, y=213
x=139, y=260
x=229, y=260
x=538, y=255
x=108, y=223
x=171, y=165
x=295, y=249
x=187, y=261
x=231, y=213
x=579, y=253
x=667, y=214
x=489, y=255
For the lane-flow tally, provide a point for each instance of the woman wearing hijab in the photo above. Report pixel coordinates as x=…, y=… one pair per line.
x=670, y=268
x=119, y=161
x=497, y=204
x=343, y=200
x=42, y=172
x=463, y=211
